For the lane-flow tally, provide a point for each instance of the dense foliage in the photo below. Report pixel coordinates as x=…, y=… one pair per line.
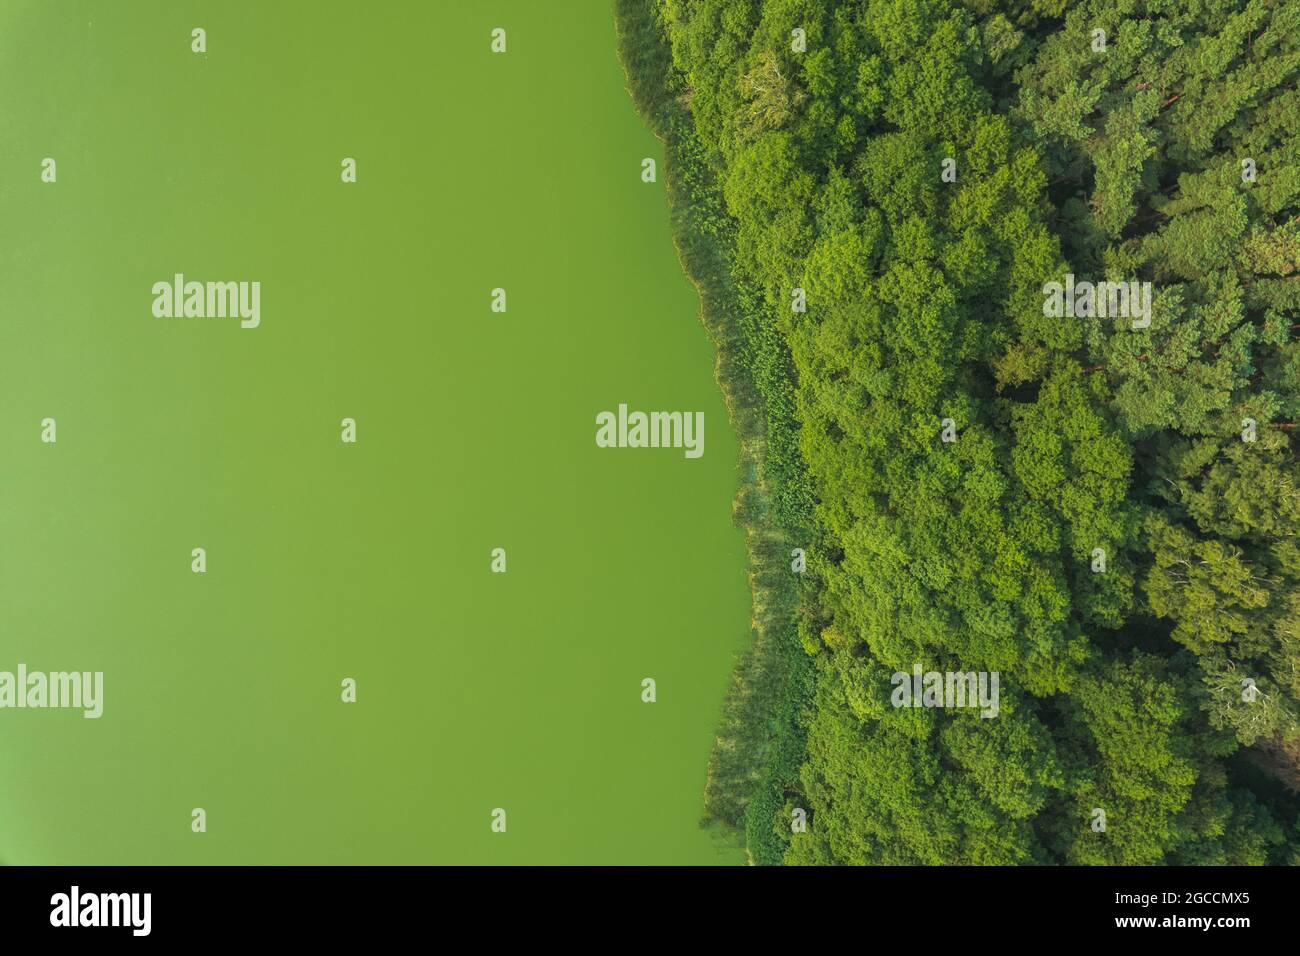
x=1112, y=524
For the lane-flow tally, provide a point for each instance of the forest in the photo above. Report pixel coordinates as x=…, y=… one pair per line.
x=872, y=197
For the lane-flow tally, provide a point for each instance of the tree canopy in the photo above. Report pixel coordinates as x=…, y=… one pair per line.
x=1103, y=513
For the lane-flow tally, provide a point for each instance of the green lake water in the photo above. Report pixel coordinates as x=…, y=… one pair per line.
x=326, y=560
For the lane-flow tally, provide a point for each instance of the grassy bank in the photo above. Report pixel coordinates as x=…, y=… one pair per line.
x=754, y=768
